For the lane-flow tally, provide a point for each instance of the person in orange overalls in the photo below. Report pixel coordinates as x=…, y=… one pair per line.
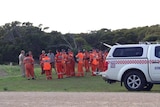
x=94, y=62
x=47, y=67
x=86, y=60
x=68, y=65
x=29, y=63
x=64, y=58
x=71, y=57
x=31, y=55
x=58, y=63
x=105, y=64
x=80, y=57
x=100, y=59
x=40, y=60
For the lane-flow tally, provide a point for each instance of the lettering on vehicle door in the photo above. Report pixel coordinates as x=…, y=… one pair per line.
x=113, y=64
x=157, y=68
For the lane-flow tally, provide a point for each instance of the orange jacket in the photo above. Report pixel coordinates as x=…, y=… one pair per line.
x=58, y=58
x=28, y=61
x=46, y=63
x=94, y=58
x=80, y=57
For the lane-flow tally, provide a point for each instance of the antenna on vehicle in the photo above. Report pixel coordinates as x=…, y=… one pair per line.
x=117, y=44
x=106, y=45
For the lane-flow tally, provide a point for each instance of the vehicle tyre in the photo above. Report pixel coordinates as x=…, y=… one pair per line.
x=134, y=81
x=148, y=86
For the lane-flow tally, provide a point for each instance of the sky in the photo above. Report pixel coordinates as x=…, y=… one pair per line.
x=81, y=16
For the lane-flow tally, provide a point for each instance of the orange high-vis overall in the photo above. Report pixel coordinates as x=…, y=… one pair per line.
x=94, y=62
x=29, y=62
x=58, y=61
x=100, y=60
x=68, y=65
x=80, y=57
x=64, y=58
x=47, y=67
x=71, y=56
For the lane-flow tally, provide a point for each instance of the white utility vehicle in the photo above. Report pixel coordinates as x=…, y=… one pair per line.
x=135, y=65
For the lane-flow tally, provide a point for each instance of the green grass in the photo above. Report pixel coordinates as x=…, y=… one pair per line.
x=14, y=82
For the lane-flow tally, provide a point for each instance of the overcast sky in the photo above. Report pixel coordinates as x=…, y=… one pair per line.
x=77, y=16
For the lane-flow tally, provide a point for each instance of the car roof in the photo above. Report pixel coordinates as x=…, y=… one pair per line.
x=134, y=45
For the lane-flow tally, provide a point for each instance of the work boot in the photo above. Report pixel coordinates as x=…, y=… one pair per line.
x=33, y=78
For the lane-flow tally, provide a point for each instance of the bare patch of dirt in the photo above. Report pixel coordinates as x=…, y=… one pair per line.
x=79, y=99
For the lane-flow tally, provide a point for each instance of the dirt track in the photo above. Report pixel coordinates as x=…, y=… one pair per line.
x=78, y=99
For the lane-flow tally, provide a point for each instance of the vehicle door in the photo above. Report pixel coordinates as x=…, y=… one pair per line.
x=154, y=62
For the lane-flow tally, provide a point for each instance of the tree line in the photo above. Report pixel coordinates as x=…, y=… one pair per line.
x=16, y=36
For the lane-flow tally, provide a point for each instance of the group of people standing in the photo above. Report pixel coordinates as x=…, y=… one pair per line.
x=94, y=60
x=64, y=63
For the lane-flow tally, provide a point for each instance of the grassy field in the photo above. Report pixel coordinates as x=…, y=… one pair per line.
x=11, y=80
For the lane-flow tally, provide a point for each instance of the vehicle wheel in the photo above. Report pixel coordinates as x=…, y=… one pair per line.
x=148, y=87
x=134, y=81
